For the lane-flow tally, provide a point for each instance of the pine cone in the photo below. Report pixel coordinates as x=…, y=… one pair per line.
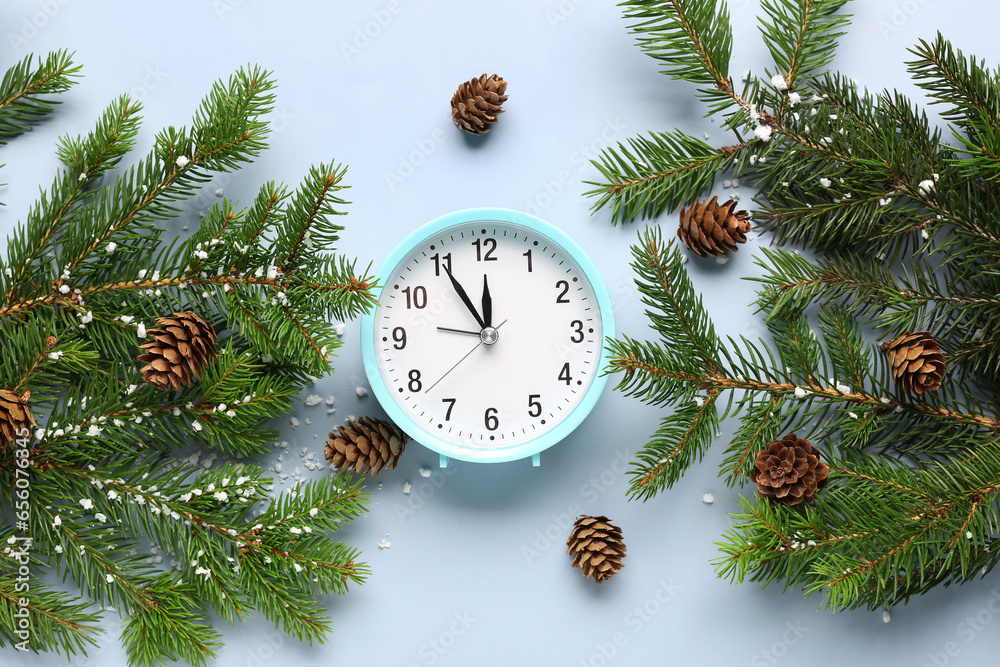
x=916, y=361
x=712, y=228
x=15, y=416
x=596, y=546
x=179, y=350
x=789, y=471
x=476, y=104
x=368, y=445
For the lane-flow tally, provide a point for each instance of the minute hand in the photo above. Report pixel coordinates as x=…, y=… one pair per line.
x=465, y=298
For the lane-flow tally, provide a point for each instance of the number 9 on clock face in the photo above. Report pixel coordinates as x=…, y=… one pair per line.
x=487, y=343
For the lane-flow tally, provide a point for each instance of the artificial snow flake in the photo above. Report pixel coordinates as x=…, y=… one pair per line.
x=100, y=517
x=699, y=401
x=925, y=187
x=753, y=159
x=94, y=430
x=384, y=543
x=313, y=399
x=763, y=132
x=778, y=81
x=201, y=254
x=295, y=531
x=794, y=98
x=313, y=512
x=112, y=494
x=298, y=568
x=852, y=415
x=800, y=392
x=361, y=392
x=886, y=617
x=56, y=521
x=825, y=141
x=294, y=422
x=64, y=289
x=968, y=534
x=221, y=496
x=407, y=487
x=59, y=549
x=708, y=498
x=924, y=234
x=978, y=335
x=140, y=330
x=110, y=578
x=111, y=247
x=86, y=503
x=825, y=182
x=196, y=425
x=182, y=161
x=424, y=472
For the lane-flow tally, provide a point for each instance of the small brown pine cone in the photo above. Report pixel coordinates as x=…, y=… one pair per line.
x=476, y=104
x=15, y=416
x=712, y=228
x=181, y=346
x=596, y=547
x=366, y=446
x=916, y=361
x=789, y=471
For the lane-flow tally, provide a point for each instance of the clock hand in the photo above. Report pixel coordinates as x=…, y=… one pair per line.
x=461, y=360
x=487, y=304
x=464, y=297
x=461, y=331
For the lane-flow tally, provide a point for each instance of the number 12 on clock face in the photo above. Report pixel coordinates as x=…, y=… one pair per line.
x=487, y=343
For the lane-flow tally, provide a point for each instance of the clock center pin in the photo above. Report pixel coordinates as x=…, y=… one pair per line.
x=489, y=335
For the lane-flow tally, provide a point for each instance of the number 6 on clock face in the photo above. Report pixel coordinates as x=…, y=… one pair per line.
x=487, y=342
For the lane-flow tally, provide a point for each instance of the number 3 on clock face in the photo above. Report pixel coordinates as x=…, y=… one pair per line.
x=488, y=340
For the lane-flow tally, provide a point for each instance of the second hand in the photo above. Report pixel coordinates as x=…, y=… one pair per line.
x=461, y=360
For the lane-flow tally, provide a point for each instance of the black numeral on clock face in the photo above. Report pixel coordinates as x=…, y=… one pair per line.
x=577, y=336
x=399, y=336
x=451, y=406
x=439, y=260
x=489, y=245
x=534, y=407
x=528, y=255
x=563, y=286
x=564, y=374
x=417, y=298
x=491, y=420
x=414, y=384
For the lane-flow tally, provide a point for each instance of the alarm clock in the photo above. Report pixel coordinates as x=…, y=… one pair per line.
x=487, y=343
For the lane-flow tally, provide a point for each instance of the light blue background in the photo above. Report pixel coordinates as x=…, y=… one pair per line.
x=477, y=566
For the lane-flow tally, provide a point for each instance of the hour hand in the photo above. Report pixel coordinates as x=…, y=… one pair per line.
x=465, y=298
x=487, y=304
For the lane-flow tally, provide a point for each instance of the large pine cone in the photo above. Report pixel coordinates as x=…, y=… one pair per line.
x=476, y=104
x=916, y=361
x=181, y=346
x=596, y=546
x=712, y=228
x=789, y=471
x=15, y=416
x=368, y=445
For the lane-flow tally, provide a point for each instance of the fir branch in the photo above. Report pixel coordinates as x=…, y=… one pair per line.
x=802, y=35
x=24, y=90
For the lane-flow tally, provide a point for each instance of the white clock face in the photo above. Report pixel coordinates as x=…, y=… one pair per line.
x=506, y=367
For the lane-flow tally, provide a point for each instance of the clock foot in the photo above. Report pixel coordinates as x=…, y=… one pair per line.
x=536, y=459
x=442, y=461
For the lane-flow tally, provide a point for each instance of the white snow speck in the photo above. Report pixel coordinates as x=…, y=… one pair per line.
x=110, y=578
x=794, y=98
x=56, y=521
x=708, y=498
x=800, y=392
x=140, y=330
x=968, y=534
x=779, y=82
x=218, y=192
x=86, y=503
x=825, y=182
x=294, y=421
x=407, y=487
x=384, y=543
x=425, y=472
x=100, y=517
x=925, y=187
x=763, y=132
x=699, y=401
x=886, y=617
x=924, y=234
x=313, y=399
x=111, y=247
x=330, y=400
x=59, y=549
x=978, y=335
x=361, y=392
x=196, y=425
x=722, y=259
x=182, y=161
